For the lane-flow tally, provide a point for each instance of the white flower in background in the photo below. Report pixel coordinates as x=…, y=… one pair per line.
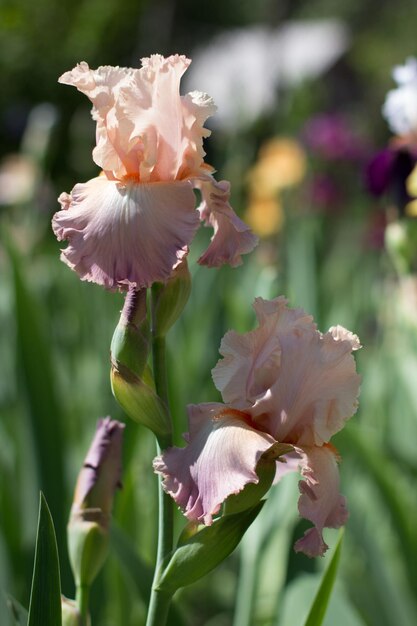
x=245, y=68
x=400, y=106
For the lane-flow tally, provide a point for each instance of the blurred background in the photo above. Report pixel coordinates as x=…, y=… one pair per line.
x=298, y=132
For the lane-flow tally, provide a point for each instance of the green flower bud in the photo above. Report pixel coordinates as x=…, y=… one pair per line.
x=138, y=399
x=131, y=381
x=170, y=298
x=130, y=342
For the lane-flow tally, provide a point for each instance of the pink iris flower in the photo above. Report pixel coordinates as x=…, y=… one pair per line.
x=284, y=382
x=133, y=223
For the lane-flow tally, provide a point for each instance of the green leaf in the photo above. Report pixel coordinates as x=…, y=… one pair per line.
x=206, y=549
x=319, y=606
x=45, y=597
x=40, y=392
x=138, y=570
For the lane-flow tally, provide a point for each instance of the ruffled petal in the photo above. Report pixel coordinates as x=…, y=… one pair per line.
x=320, y=500
x=252, y=360
x=123, y=234
x=316, y=389
x=219, y=460
x=339, y=333
x=103, y=87
x=145, y=129
x=232, y=237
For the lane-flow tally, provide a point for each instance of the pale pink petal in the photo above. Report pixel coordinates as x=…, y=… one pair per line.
x=252, y=360
x=152, y=104
x=320, y=500
x=129, y=233
x=339, y=333
x=145, y=129
x=315, y=392
x=219, y=460
x=288, y=463
x=103, y=87
x=232, y=237
x=197, y=107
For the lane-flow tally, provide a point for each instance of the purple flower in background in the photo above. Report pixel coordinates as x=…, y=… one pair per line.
x=388, y=171
x=331, y=137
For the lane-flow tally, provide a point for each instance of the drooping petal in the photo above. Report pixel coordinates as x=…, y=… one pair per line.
x=129, y=233
x=320, y=500
x=219, y=460
x=252, y=360
x=315, y=391
x=232, y=237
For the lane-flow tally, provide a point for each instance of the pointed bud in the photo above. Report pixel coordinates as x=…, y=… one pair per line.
x=88, y=527
x=138, y=399
x=130, y=342
x=170, y=298
x=131, y=381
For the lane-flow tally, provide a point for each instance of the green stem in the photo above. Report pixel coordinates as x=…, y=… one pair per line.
x=82, y=599
x=159, y=602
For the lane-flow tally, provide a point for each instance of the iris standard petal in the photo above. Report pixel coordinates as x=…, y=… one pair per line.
x=252, y=360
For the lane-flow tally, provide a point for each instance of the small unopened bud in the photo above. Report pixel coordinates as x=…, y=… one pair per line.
x=71, y=616
x=88, y=527
x=131, y=381
x=130, y=342
x=138, y=399
x=170, y=299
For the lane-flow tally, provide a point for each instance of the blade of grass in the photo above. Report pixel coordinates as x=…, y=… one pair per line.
x=321, y=601
x=45, y=597
x=46, y=418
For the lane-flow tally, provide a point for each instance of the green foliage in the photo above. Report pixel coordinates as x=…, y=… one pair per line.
x=56, y=331
x=321, y=600
x=205, y=550
x=45, y=597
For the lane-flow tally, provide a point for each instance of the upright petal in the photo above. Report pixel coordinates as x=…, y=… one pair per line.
x=145, y=129
x=252, y=360
x=315, y=391
x=232, y=237
x=103, y=87
x=123, y=234
x=320, y=500
x=219, y=460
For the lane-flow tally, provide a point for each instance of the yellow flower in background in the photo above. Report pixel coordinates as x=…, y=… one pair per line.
x=281, y=164
x=411, y=207
x=265, y=216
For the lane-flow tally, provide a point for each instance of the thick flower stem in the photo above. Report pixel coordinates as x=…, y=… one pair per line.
x=159, y=602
